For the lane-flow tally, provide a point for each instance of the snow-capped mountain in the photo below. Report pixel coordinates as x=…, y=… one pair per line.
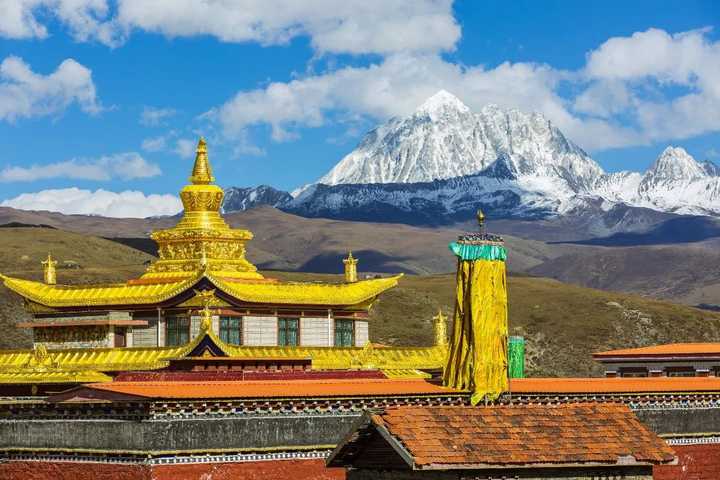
x=444, y=161
x=443, y=139
x=676, y=183
x=239, y=199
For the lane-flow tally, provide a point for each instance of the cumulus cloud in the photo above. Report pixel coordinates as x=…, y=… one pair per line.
x=24, y=93
x=85, y=19
x=396, y=86
x=154, y=144
x=632, y=75
x=351, y=26
x=185, y=148
x=152, y=117
x=125, y=166
x=127, y=204
x=609, y=109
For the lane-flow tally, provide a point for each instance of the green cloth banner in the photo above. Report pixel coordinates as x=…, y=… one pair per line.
x=478, y=252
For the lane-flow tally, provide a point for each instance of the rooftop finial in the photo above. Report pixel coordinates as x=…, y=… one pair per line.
x=49, y=273
x=201, y=173
x=440, y=329
x=350, y=262
x=481, y=219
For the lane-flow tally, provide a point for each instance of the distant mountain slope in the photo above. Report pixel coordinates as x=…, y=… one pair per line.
x=289, y=242
x=239, y=199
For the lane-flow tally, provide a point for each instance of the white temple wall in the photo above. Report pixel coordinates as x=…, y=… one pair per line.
x=145, y=336
x=260, y=331
x=315, y=332
x=362, y=334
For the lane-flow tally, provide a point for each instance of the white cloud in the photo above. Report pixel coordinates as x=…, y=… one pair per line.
x=154, y=144
x=24, y=93
x=125, y=166
x=396, y=86
x=350, y=26
x=153, y=117
x=85, y=19
x=643, y=67
x=611, y=108
x=127, y=204
x=185, y=148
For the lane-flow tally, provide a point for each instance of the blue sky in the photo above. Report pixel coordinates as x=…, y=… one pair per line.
x=111, y=95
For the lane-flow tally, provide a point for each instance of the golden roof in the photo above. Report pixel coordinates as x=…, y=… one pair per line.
x=291, y=293
x=201, y=245
x=49, y=366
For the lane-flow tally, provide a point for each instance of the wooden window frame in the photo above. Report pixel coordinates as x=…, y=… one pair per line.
x=280, y=330
x=240, y=328
x=335, y=332
x=177, y=330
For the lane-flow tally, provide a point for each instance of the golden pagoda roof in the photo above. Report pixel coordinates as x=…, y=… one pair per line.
x=201, y=245
x=287, y=293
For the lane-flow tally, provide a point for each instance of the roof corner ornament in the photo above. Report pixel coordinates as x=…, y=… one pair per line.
x=350, y=263
x=440, y=327
x=49, y=271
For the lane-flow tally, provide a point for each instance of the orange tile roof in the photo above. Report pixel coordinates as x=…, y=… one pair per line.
x=682, y=349
x=274, y=388
x=463, y=436
x=615, y=385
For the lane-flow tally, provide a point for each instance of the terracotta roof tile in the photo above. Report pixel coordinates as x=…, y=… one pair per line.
x=560, y=434
x=687, y=349
x=274, y=388
x=615, y=385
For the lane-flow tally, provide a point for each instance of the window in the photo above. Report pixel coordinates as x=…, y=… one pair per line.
x=288, y=331
x=177, y=330
x=344, y=333
x=231, y=330
x=680, y=371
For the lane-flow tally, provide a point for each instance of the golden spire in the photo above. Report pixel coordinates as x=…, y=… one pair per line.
x=202, y=172
x=49, y=273
x=350, y=262
x=202, y=240
x=440, y=329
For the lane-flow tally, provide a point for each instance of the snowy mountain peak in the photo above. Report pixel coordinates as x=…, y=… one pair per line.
x=440, y=102
x=676, y=164
x=444, y=139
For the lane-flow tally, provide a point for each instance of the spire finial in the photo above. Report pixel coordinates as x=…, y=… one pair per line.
x=440, y=328
x=350, y=262
x=202, y=172
x=480, y=218
x=49, y=273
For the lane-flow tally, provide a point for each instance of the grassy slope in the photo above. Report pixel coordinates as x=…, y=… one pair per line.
x=563, y=323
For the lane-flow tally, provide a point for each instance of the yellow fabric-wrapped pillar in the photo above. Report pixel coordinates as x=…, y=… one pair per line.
x=478, y=348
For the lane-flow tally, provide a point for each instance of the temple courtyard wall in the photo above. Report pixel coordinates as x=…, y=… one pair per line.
x=269, y=445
